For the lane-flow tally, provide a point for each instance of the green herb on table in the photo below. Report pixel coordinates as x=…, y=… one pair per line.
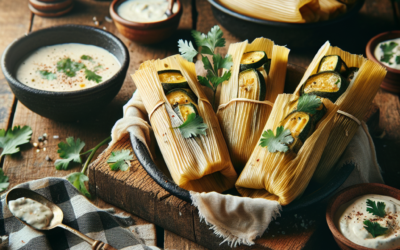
x=69, y=67
x=11, y=139
x=308, y=104
x=92, y=76
x=377, y=209
x=87, y=58
x=278, y=142
x=119, y=160
x=47, y=75
x=387, y=49
x=193, y=126
x=3, y=181
x=208, y=44
x=374, y=228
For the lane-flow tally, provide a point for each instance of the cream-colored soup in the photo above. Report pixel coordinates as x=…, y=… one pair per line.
x=388, y=53
x=350, y=219
x=67, y=67
x=145, y=11
x=32, y=212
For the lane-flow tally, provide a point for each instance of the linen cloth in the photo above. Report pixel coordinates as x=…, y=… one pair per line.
x=239, y=220
x=79, y=213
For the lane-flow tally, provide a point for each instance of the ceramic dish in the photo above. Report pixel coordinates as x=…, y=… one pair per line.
x=71, y=105
x=146, y=33
x=294, y=35
x=347, y=195
x=311, y=196
x=392, y=79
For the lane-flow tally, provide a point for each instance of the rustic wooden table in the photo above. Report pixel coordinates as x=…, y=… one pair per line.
x=16, y=20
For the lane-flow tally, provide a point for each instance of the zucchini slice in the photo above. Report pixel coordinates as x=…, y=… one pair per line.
x=184, y=110
x=252, y=80
x=253, y=60
x=350, y=73
x=332, y=63
x=321, y=111
x=301, y=126
x=172, y=79
x=328, y=84
x=181, y=96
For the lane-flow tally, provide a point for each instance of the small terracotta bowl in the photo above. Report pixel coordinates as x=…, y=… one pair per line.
x=392, y=80
x=345, y=196
x=146, y=33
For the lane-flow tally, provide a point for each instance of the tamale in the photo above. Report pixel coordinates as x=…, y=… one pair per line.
x=199, y=163
x=284, y=176
x=242, y=122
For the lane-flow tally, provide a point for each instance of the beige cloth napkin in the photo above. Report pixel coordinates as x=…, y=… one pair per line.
x=239, y=220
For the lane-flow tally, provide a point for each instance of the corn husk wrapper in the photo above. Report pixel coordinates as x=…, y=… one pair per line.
x=284, y=176
x=201, y=163
x=356, y=101
x=242, y=122
x=331, y=9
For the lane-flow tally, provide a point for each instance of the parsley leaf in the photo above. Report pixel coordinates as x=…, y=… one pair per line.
x=120, y=160
x=376, y=209
x=3, y=181
x=308, y=104
x=86, y=57
x=278, y=142
x=218, y=80
x=386, y=58
x=211, y=41
x=92, y=76
x=69, y=67
x=397, y=59
x=374, y=228
x=69, y=152
x=193, y=126
x=78, y=179
x=222, y=63
x=11, y=139
x=388, y=47
x=98, y=67
x=47, y=75
x=187, y=50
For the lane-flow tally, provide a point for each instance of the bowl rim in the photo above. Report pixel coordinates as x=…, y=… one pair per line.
x=329, y=214
x=13, y=81
x=373, y=42
x=354, y=9
x=142, y=25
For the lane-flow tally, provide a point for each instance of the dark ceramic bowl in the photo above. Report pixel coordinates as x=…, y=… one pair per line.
x=71, y=105
x=294, y=35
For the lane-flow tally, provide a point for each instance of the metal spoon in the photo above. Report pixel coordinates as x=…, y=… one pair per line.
x=57, y=216
x=168, y=12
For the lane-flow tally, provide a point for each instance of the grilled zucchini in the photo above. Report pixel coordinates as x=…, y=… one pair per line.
x=181, y=96
x=172, y=79
x=252, y=80
x=301, y=126
x=332, y=63
x=184, y=110
x=253, y=60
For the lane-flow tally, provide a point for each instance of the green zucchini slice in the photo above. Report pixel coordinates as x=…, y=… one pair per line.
x=332, y=63
x=181, y=96
x=253, y=60
x=252, y=80
x=184, y=110
x=172, y=79
x=350, y=73
x=321, y=111
x=329, y=85
x=301, y=126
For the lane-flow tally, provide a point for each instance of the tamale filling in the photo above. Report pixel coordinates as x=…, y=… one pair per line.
x=324, y=82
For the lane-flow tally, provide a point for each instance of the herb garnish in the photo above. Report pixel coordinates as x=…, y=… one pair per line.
x=308, y=104
x=69, y=67
x=10, y=140
x=387, y=49
x=193, y=126
x=374, y=228
x=377, y=209
x=47, y=75
x=92, y=76
x=3, y=181
x=120, y=160
x=88, y=58
x=208, y=44
x=276, y=143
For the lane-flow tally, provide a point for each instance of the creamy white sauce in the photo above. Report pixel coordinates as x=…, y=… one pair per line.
x=379, y=53
x=45, y=59
x=145, y=11
x=32, y=212
x=351, y=215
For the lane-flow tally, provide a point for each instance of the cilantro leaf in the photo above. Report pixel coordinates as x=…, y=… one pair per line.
x=91, y=76
x=69, y=67
x=11, y=139
x=278, y=142
x=210, y=41
x=388, y=47
x=376, y=209
x=397, y=59
x=374, y=228
x=386, y=58
x=98, y=67
x=187, y=50
x=47, y=75
x=204, y=81
x=86, y=57
x=119, y=159
x=3, y=181
x=222, y=63
x=69, y=152
x=207, y=65
x=218, y=80
x=193, y=126
x=78, y=179
x=308, y=104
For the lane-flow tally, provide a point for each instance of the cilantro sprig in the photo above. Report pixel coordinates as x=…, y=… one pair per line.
x=308, y=104
x=387, y=49
x=377, y=209
x=69, y=67
x=92, y=76
x=208, y=43
x=47, y=75
x=193, y=126
x=374, y=228
x=119, y=160
x=278, y=142
x=88, y=58
x=11, y=139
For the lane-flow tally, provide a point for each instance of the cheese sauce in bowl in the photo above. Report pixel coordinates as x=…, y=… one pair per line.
x=144, y=11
